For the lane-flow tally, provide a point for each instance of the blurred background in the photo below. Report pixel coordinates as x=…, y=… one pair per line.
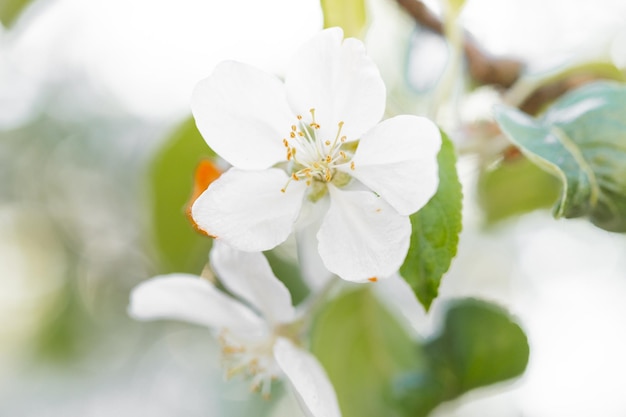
x=94, y=108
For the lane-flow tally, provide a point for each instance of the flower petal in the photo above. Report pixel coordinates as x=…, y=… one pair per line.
x=313, y=269
x=249, y=276
x=243, y=114
x=248, y=210
x=362, y=237
x=190, y=298
x=397, y=159
x=309, y=380
x=340, y=81
x=398, y=295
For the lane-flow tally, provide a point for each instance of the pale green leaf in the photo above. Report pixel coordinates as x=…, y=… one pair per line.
x=580, y=139
x=456, y=6
x=435, y=233
x=362, y=347
x=350, y=15
x=10, y=10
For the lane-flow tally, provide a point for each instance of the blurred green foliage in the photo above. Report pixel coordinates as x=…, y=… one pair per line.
x=515, y=187
x=435, y=233
x=350, y=15
x=170, y=180
x=377, y=369
x=10, y=10
x=479, y=345
x=362, y=347
x=580, y=139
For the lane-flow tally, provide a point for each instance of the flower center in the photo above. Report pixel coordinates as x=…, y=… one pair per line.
x=253, y=360
x=314, y=158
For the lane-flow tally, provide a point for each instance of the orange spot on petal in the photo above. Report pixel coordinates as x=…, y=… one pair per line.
x=372, y=279
x=206, y=172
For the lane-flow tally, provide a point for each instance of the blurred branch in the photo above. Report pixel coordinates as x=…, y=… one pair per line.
x=483, y=68
x=500, y=72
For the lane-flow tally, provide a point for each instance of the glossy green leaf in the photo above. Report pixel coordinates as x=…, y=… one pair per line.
x=436, y=229
x=180, y=247
x=350, y=15
x=580, y=139
x=479, y=345
x=10, y=10
x=362, y=347
x=515, y=187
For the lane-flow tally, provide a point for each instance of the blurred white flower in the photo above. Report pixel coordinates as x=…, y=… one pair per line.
x=255, y=331
x=311, y=152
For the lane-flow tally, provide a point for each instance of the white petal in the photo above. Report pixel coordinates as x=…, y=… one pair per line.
x=243, y=115
x=313, y=388
x=340, y=81
x=248, y=210
x=249, y=276
x=312, y=267
x=362, y=237
x=398, y=295
x=190, y=298
x=398, y=160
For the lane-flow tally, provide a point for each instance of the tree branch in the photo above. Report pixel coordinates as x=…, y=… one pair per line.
x=501, y=72
x=483, y=68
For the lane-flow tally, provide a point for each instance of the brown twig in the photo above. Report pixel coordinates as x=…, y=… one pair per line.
x=535, y=102
x=483, y=68
x=501, y=72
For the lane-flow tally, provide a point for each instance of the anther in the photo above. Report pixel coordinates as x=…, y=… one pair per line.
x=313, y=123
x=352, y=165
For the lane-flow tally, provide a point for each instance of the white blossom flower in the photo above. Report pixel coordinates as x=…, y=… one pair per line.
x=314, y=144
x=256, y=331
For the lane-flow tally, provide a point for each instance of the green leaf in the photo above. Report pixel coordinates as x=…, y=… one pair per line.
x=515, y=187
x=10, y=10
x=180, y=247
x=580, y=139
x=361, y=346
x=436, y=229
x=350, y=15
x=479, y=345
